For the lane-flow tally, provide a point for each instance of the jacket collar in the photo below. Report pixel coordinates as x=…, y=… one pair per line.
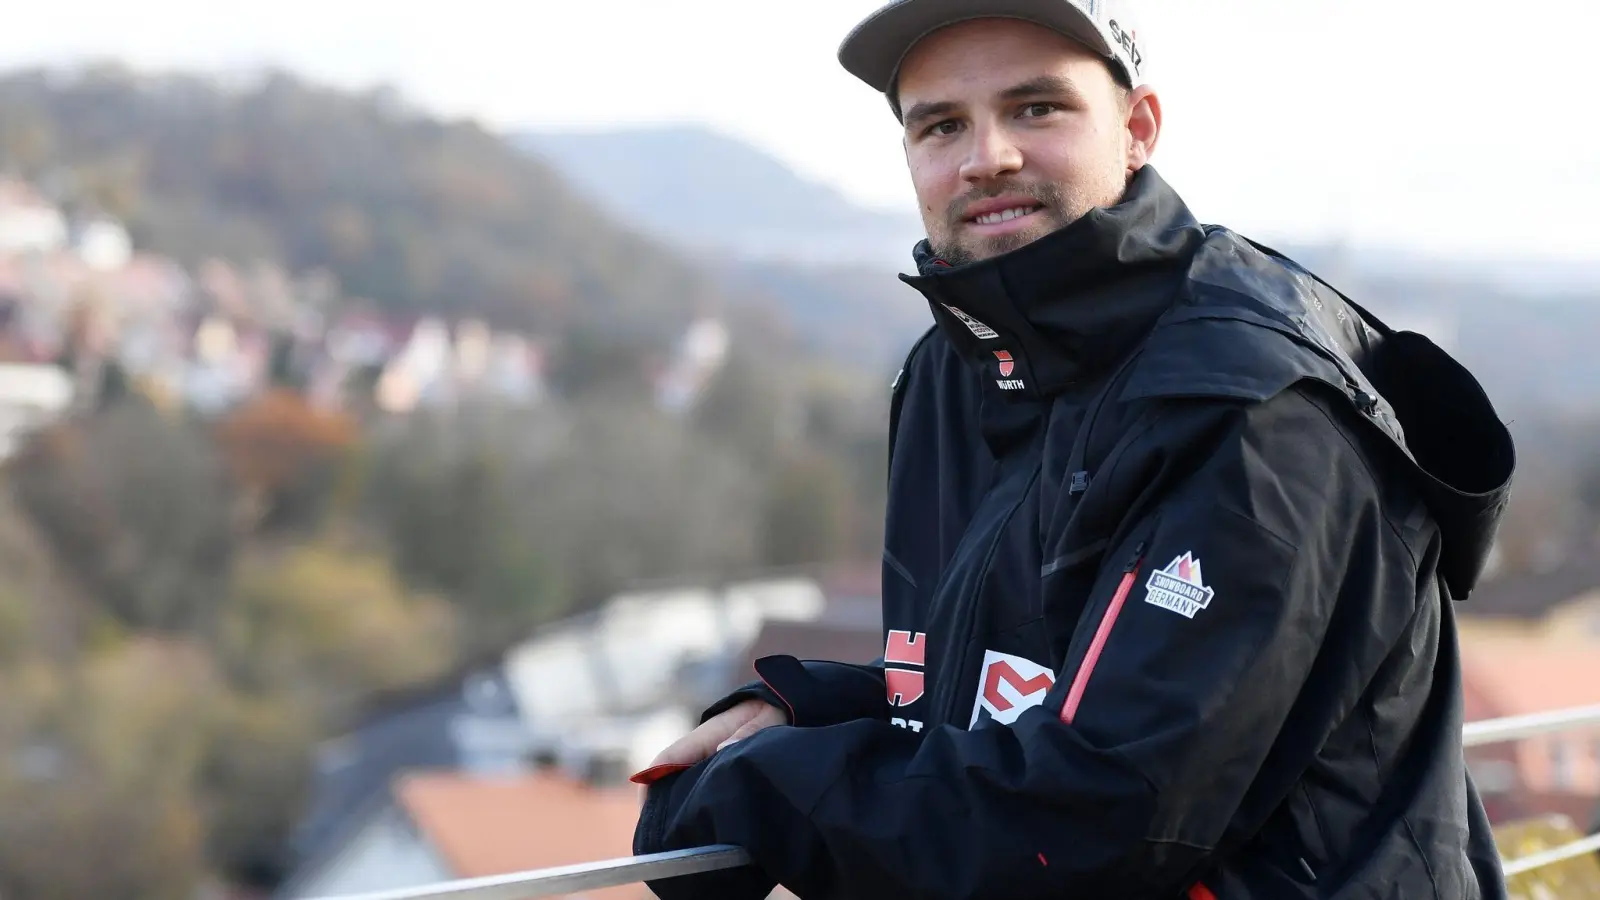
x=1068, y=305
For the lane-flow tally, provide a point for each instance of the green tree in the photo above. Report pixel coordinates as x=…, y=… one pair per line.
x=254, y=784
x=101, y=803
x=808, y=515
x=454, y=497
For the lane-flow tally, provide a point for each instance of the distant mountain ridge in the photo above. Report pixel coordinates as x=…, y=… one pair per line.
x=712, y=194
x=758, y=227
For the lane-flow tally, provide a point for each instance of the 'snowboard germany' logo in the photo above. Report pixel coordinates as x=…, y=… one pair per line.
x=983, y=332
x=1179, y=587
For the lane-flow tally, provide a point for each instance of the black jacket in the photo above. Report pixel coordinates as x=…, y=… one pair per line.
x=1173, y=536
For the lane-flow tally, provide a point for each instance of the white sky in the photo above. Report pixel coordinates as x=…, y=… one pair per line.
x=1408, y=121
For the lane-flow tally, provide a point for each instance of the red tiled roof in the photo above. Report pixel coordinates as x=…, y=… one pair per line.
x=485, y=826
x=1513, y=674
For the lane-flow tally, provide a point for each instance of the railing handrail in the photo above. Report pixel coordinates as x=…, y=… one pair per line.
x=555, y=882
x=1515, y=728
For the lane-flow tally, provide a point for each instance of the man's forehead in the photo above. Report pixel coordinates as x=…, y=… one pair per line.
x=993, y=38
x=992, y=55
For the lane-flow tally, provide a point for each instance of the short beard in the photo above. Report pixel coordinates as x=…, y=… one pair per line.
x=1061, y=207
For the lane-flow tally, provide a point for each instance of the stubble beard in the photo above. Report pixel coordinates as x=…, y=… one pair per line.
x=950, y=241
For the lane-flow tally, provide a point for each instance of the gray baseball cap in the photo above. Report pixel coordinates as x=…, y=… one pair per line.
x=874, y=50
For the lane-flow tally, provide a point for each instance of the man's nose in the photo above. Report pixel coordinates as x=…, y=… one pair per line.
x=992, y=154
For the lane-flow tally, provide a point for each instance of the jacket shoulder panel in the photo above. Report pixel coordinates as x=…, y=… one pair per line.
x=1246, y=328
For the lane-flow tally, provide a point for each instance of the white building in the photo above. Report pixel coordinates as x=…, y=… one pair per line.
x=29, y=223
x=30, y=396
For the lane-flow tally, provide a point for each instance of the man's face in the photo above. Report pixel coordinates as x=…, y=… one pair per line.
x=1013, y=131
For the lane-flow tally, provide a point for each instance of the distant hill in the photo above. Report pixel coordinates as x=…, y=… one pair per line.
x=414, y=213
x=762, y=228
x=862, y=315
x=709, y=193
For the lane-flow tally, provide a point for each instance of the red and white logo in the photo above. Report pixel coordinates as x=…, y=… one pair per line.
x=1007, y=364
x=904, y=648
x=1008, y=686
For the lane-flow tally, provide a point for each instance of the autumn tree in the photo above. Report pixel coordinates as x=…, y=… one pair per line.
x=284, y=456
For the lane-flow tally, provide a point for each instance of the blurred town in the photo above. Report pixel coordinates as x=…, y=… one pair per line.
x=377, y=496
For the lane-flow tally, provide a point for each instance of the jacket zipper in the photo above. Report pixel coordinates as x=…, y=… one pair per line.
x=1080, y=681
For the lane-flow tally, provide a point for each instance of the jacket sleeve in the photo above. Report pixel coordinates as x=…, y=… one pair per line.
x=814, y=692
x=1187, y=663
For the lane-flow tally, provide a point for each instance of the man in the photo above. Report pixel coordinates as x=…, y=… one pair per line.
x=1173, y=538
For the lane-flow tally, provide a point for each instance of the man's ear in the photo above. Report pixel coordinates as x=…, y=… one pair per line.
x=1144, y=126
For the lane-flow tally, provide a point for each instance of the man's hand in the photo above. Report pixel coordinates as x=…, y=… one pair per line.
x=713, y=734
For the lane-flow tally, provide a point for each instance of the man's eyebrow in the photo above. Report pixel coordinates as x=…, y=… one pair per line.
x=1042, y=86
x=928, y=110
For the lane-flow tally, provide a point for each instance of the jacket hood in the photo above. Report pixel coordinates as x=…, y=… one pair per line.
x=1253, y=322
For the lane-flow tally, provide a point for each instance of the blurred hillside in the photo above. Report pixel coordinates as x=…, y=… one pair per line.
x=408, y=213
x=308, y=398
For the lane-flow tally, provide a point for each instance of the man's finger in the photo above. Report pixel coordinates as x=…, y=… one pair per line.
x=763, y=719
x=685, y=751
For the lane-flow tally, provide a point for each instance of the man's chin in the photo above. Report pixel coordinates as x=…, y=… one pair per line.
x=999, y=245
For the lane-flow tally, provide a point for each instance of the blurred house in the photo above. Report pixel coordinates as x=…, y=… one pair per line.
x=30, y=396
x=696, y=360
x=605, y=691
x=29, y=221
x=102, y=243
x=1529, y=596
x=467, y=722
x=1518, y=668
x=439, y=826
x=436, y=364
x=558, y=723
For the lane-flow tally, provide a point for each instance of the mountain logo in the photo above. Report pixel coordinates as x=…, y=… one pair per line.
x=1179, y=587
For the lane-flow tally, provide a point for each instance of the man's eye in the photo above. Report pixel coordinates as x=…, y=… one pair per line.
x=1038, y=109
x=945, y=128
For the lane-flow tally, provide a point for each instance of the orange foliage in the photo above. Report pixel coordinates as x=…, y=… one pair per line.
x=273, y=442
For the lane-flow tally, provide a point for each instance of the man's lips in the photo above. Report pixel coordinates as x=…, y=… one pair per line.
x=1001, y=215
x=1000, y=211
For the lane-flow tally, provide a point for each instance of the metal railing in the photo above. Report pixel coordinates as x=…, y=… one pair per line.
x=563, y=880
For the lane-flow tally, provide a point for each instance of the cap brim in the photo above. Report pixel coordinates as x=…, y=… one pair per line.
x=874, y=50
